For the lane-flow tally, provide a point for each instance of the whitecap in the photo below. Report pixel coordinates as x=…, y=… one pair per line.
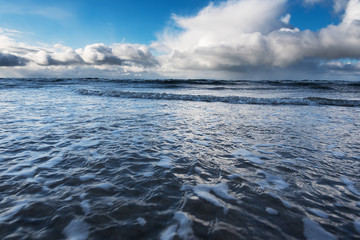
x=248, y=156
x=271, y=211
x=272, y=181
x=87, y=177
x=357, y=225
x=314, y=231
x=77, y=230
x=85, y=206
x=141, y=221
x=182, y=228
x=148, y=174
x=209, y=193
x=165, y=162
x=169, y=233
x=198, y=170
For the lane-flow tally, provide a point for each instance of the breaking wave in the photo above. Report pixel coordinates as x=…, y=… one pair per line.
x=311, y=101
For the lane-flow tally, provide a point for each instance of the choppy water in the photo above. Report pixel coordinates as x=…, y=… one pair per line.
x=176, y=159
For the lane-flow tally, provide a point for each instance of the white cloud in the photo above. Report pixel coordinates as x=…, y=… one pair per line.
x=286, y=19
x=338, y=5
x=312, y=1
x=234, y=39
x=250, y=34
x=98, y=54
x=49, y=12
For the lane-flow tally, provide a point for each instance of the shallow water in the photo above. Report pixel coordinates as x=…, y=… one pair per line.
x=81, y=165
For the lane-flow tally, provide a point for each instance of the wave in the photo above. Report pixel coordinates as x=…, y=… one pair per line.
x=310, y=101
x=317, y=84
x=338, y=85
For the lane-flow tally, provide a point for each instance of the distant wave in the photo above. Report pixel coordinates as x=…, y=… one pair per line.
x=311, y=101
x=295, y=83
x=190, y=81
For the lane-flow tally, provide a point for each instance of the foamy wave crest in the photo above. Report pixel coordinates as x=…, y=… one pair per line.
x=227, y=99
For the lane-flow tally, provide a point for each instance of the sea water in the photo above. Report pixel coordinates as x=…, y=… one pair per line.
x=179, y=159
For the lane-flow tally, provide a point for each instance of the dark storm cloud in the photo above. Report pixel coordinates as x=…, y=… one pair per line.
x=9, y=60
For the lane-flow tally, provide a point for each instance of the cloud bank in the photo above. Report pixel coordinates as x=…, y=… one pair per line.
x=254, y=34
x=234, y=39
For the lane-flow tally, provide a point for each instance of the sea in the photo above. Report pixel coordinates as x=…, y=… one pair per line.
x=179, y=159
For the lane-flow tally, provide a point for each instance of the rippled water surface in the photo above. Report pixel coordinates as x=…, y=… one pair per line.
x=100, y=159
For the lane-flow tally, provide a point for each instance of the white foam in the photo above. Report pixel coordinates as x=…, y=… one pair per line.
x=227, y=99
x=222, y=191
x=271, y=211
x=350, y=185
x=357, y=225
x=313, y=231
x=87, y=177
x=182, y=228
x=198, y=170
x=169, y=233
x=165, y=162
x=141, y=221
x=77, y=230
x=272, y=181
x=205, y=192
x=148, y=174
x=248, y=156
x=184, y=231
x=318, y=213
x=85, y=206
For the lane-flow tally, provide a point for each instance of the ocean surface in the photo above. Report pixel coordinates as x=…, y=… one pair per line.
x=179, y=159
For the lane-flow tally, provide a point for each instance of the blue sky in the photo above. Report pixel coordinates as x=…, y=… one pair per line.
x=81, y=22
x=162, y=38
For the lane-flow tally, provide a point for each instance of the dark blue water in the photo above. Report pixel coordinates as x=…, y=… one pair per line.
x=179, y=159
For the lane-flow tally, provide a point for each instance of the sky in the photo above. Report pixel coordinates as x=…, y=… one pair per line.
x=221, y=39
